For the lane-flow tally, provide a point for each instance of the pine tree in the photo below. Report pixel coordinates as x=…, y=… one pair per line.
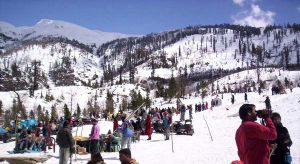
x=1, y=109
x=32, y=114
x=172, y=90
x=240, y=46
x=198, y=87
x=23, y=112
x=109, y=102
x=147, y=99
x=67, y=112
x=14, y=109
x=47, y=116
x=90, y=108
x=153, y=68
x=124, y=104
x=203, y=89
x=7, y=118
x=259, y=52
x=96, y=108
x=140, y=99
x=78, y=112
x=120, y=76
x=134, y=98
x=84, y=113
x=53, y=112
x=214, y=44
x=131, y=74
x=286, y=57
x=40, y=113
x=298, y=58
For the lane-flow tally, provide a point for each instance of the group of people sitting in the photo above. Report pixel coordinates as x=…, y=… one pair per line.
x=34, y=138
x=30, y=140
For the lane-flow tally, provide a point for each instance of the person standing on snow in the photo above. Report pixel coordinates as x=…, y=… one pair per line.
x=65, y=142
x=281, y=146
x=190, y=111
x=268, y=103
x=166, y=125
x=115, y=124
x=127, y=133
x=148, y=130
x=94, y=138
x=246, y=97
x=252, y=138
x=182, y=113
x=232, y=99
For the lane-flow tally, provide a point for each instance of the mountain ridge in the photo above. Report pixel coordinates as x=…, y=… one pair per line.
x=57, y=28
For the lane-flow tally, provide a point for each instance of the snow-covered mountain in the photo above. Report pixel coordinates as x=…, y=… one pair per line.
x=200, y=52
x=58, y=28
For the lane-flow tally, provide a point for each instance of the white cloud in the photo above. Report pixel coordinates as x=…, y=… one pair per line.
x=239, y=2
x=256, y=17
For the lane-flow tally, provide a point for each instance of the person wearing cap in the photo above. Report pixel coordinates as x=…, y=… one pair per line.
x=94, y=138
x=65, y=142
x=125, y=157
x=252, y=139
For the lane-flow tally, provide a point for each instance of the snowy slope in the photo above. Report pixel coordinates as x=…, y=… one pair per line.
x=196, y=59
x=57, y=28
x=223, y=58
x=85, y=64
x=199, y=148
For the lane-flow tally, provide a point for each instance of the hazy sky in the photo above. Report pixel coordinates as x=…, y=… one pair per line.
x=147, y=16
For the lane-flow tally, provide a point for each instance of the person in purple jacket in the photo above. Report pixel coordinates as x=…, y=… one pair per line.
x=94, y=138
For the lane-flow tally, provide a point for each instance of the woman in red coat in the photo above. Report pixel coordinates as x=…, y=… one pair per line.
x=116, y=125
x=148, y=130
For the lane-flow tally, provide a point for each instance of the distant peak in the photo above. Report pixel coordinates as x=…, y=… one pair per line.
x=45, y=22
x=5, y=24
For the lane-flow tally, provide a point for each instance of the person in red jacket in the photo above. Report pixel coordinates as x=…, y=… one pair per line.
x=116, y=125
x=252, y=138
x=148, y=129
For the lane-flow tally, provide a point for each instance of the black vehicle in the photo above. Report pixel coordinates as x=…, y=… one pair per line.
x=183, y=128
x=158, y=126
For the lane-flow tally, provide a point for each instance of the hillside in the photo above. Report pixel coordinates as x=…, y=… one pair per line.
x=197, y=58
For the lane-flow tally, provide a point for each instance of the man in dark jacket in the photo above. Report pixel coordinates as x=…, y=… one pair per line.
x=252, y=138
x=268, y=103
x=246, y=97
x=281, y=146
x=65, y=142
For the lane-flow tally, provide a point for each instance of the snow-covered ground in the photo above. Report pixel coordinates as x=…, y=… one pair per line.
x=199, y=148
